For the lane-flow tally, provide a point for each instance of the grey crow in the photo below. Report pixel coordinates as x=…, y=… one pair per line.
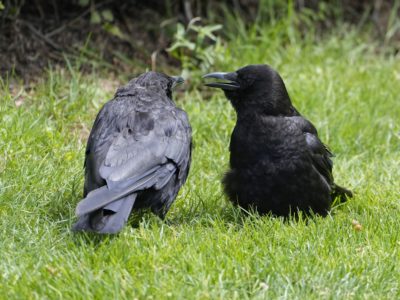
x=137, y=155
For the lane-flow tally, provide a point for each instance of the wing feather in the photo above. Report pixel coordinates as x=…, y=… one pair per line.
x=319, y=152
x=139, y=151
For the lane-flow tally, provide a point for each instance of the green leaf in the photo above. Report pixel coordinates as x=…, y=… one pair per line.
x=83, y=3
x=114, y=30
x=213, y=28
x=182, y=44
x=208, y=31
x=1, y=5
x=107, y=15
x=180, y=31
x=95, y=17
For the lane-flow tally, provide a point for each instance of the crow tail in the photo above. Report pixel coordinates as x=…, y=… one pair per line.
x=341, y=193
x=109, y=219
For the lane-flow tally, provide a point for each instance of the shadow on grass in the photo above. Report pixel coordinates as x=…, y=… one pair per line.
x=221, y=213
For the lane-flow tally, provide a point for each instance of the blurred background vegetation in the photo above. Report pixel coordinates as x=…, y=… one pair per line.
x=128, y=37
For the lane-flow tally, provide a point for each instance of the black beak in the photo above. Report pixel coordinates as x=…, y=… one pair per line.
x=231, y=83
x=177, y=81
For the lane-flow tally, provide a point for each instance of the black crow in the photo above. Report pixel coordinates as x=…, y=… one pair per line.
x=137, y=156
x=278, y=164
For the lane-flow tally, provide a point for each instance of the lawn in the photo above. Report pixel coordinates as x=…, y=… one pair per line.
x=207, y=249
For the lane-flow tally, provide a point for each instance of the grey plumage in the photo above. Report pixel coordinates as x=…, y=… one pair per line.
x=137, y=156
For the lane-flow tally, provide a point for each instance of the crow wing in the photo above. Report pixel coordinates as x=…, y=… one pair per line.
x=319, y=152
x=134, y=150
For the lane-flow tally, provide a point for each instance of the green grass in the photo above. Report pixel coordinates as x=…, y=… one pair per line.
x=207, y=249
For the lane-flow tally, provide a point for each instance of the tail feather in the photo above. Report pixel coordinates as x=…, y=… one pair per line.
x=109, y=219
x=341, y=193
x=113, y=191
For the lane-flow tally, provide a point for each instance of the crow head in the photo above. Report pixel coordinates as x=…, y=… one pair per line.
x=255, y=88
x=153, y=81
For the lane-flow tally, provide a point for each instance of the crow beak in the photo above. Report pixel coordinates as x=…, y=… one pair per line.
x=177, y=81
x=231, y=83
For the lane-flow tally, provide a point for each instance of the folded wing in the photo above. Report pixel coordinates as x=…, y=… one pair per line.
x=141, y=150
x=319, y=153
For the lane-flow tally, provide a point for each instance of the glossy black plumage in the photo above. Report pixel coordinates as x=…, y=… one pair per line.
x=278, y=164
x=137, y=156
